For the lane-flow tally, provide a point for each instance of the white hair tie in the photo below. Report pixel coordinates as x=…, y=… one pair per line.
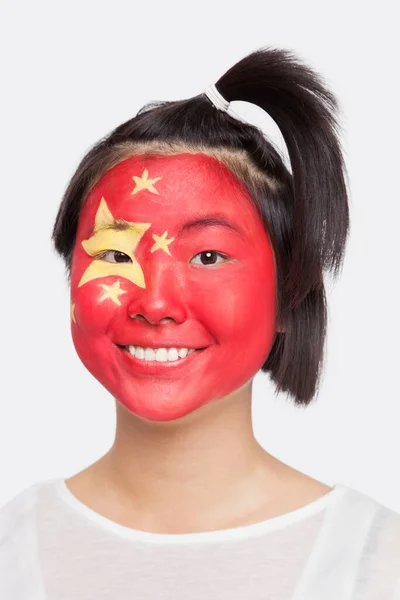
x=269, y=129
x=219, y=102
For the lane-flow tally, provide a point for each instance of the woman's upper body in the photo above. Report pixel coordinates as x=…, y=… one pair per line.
x=342, y=546
x=196, y=259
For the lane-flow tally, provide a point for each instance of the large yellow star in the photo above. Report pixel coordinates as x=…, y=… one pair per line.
x=109, y=234
x=112, y=292
x=144, y=183
x=161, y=242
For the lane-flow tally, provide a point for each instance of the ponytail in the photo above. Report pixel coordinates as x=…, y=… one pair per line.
x=306, y=114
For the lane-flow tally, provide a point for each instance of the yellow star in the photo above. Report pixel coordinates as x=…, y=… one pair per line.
x=143, y=183
x=110, y=234
x=161, y=242
x=112, y=292
x=73, y=313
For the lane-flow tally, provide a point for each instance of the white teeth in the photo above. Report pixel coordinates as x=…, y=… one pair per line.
x=159, y=354
x=149, y=354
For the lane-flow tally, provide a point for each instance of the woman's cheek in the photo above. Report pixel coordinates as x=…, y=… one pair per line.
x=98, y=303
x=243, y=296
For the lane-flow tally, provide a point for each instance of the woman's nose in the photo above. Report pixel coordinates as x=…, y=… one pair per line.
x=162, y=299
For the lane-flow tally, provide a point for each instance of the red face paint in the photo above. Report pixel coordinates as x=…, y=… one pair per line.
x=142, y=275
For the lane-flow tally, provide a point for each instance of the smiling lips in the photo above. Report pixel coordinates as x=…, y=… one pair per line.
x=159, y=354
x=150, y=361
x=161, y=346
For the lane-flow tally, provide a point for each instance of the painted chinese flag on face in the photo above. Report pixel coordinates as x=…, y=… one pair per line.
x=173, y=292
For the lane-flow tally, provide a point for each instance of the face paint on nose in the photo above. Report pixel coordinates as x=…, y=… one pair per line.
x=173, y=295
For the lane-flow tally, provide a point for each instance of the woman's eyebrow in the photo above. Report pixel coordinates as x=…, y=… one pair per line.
x=116, y=224
x=209, y=221
x=202, y=222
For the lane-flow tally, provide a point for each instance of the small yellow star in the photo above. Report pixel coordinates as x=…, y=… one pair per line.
x=143, y=183
x=73, y=313
x=161, y=242
x=112, y=292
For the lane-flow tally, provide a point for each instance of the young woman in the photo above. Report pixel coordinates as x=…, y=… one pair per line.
x=195, y=260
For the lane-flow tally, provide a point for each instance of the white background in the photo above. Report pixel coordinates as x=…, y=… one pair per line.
x=73, y=71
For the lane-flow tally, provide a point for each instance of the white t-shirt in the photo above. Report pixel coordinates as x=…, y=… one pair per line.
x=343, y=546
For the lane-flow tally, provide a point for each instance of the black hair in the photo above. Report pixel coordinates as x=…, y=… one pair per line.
x=305, y=211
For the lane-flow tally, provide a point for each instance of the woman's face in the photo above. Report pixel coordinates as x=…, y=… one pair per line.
x=171, y=253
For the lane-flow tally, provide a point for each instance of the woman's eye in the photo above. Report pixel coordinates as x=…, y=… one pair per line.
x=209, y=256
x=119, y=257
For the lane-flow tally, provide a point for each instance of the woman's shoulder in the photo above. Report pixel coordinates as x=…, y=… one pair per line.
x=359, y=542
x=356, y=496
x=17, y=511
x=372, y=530
x=379, y=516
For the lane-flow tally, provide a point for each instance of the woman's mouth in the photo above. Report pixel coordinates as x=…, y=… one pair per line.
x=159, y=356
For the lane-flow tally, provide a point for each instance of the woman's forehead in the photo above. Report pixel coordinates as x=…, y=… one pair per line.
x=180, y=185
